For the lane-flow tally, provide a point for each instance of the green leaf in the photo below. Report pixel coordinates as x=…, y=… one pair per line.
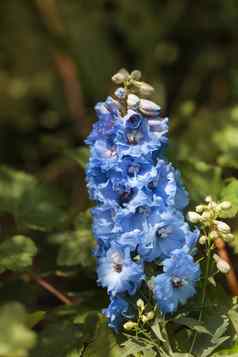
x=16, y=339
x=33, y=204
x=76, y=249
x=133, y=348
x=233, y=315
x=193, y=325
x=230, y=193
x=58, y=338
x=233, y=351
x=104, y=343
x=35, y=317
x=208, y=351
x=157, y=330
x=16, y=253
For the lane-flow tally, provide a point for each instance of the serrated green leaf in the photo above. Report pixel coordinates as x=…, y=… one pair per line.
x=16, y=253
x=16, y=339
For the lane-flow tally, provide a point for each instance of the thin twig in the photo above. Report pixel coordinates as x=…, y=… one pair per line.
x=47, y=286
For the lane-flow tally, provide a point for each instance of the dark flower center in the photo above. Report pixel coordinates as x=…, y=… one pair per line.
x=177, y=282
x=134, y=137
x=142, y=210
x=134, y=121
x=117, y=267
x=162, y=232
x=133, y=169
x=125, y=197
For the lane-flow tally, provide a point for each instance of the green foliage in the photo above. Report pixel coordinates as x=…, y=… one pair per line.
x=16, y=339
x=230, y=193
x=16, y=253
x=33, y=204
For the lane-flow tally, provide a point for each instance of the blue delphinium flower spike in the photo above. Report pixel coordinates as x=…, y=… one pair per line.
x=139, y=197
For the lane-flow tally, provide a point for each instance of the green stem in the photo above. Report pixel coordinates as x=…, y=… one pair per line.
x=204, y=290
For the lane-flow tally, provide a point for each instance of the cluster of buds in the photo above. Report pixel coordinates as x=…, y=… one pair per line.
x=143, y=316
x=132, y=82
x=207, y=215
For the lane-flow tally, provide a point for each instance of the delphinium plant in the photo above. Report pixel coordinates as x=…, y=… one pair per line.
x=155, y=264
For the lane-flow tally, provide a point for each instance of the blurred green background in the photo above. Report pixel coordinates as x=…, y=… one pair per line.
x=56, y=61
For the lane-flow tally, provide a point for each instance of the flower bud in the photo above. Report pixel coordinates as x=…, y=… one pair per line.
x=150, y=315
x=225, y=205
x=133, y=101
x=202, y=240
x=222, y=227
x=129, y=325
x=145, y=89
x=120, y=76
x=222, y=265
x=206, y=216
x=208, y=199
x=136, y=75
x=193, y=217
x=149, y=108
x=228, y=237
x=200, y=208
x=140, y=304
x=214, y=235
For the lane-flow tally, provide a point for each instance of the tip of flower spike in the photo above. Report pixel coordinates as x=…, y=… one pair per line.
x=132, y=82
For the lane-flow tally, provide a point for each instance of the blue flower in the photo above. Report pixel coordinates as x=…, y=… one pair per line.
x=117, y=272
x=117, y=312
x=177, y=284
x=163, y=233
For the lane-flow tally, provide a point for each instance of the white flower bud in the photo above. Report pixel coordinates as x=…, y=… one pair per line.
x=145, y=89
x=136, y=75
x=225, y=205
x=222, y=265
x=222, y=227
x=208, y=199
x=214, y=235
x=149, y=108
x=206, y=216
x=202, y=240
x=133, y=101
x=228, y=237
x=150, y=315
x=200, y=208
x=140, y=304
x=120, y=76
x=193, y=217
x=129, y=325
